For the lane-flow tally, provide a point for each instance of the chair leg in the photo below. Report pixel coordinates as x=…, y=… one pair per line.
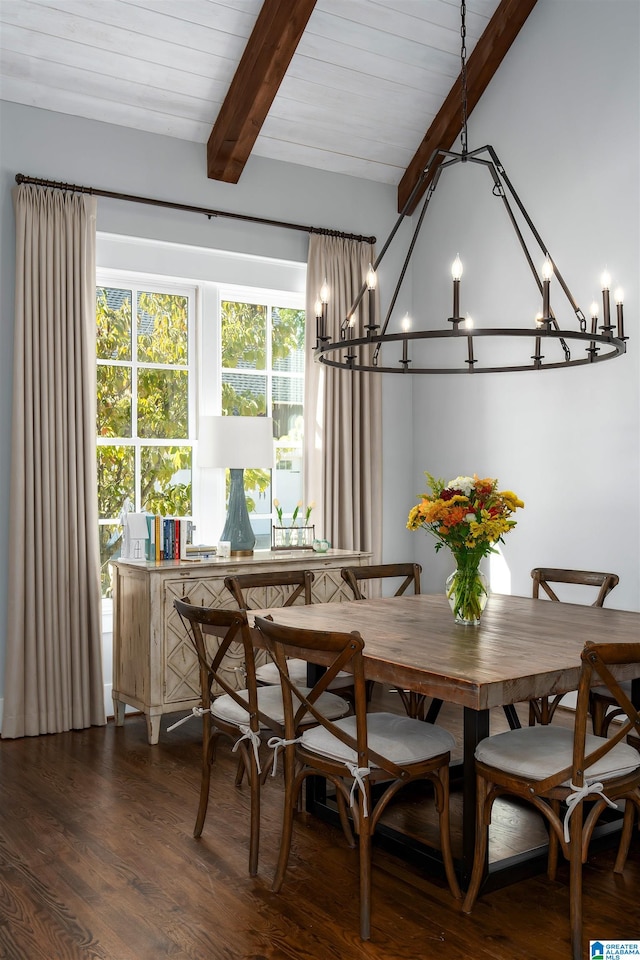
x=364, y=825
x=208, y=746
x=625, y=837
x=552, y=862
x=575, y=881
x=254, y=834
x=441, y=786
x=482, y=841
x=598, y=709
x=239, y=772
x=344, y=819
x=289, y=807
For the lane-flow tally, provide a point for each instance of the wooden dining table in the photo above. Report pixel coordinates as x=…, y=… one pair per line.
x=523, y=649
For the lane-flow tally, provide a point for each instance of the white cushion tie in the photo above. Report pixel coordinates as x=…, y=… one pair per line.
x=595, y=788
x=195, y=712
x=277, y=743
x=249, y=734
x=358, y=774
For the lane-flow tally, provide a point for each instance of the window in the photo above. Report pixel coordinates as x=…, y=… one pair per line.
x=160, y=365
x=145, y=401
x=263, y=375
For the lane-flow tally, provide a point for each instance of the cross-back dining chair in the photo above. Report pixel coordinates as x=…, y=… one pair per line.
x=354, y=753
x=279, y=589
x=252, y=591
x=543, y=709
x=549, y=765
x=408, y=574
x=248, y=716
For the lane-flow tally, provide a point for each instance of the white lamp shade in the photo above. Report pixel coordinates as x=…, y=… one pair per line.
x=236, y=442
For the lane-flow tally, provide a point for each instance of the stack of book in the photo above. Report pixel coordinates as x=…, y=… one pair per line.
x=168, y=537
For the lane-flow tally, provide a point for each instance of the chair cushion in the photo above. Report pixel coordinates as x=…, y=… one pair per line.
x=270, y=702
x=538, y=752
x=400, y=739
x=268, y=673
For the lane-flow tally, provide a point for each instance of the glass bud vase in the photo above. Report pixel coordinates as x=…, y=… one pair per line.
x=467, y=591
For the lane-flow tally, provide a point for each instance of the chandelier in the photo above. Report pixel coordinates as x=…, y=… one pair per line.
x=367, y=343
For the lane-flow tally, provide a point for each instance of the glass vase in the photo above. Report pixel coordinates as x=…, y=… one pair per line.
x=467, y=591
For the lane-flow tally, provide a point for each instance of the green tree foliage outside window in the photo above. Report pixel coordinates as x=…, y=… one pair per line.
x=142, y=397
x=257, y=341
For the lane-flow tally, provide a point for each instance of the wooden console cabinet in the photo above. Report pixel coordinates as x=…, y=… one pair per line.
x=154, y=667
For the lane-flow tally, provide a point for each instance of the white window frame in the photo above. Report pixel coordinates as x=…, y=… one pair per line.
x=215, y=275
x=127, y=280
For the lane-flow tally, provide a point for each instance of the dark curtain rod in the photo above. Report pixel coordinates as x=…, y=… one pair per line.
x=131, y=198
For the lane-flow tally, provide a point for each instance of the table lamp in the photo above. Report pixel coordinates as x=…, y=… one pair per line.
x=236, y=443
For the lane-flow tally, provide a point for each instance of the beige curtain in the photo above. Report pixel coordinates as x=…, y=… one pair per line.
x=53, y=669
x=343, y=418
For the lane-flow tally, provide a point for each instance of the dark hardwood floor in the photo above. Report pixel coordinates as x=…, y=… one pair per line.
x=97, y=860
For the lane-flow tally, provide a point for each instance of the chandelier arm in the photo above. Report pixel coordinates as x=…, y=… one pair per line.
x=416, y=232
x=403, y=213
x=567, y=292
x=514, y=223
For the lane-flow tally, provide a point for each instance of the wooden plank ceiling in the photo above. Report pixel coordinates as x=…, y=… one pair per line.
x=348, y=86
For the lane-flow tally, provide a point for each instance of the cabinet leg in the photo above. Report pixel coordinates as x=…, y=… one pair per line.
x=153, y=727
x=118, y=712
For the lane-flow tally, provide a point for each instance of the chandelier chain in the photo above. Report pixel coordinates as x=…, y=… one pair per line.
x=463, y=74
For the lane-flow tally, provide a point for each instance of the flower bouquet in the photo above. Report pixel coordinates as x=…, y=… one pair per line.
x=468, y=515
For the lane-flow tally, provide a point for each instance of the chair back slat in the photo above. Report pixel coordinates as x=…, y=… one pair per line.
x=543, y=577
x=300, y=582
x=410, y=572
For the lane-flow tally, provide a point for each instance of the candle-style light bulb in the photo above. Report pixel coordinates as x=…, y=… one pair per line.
x=406, y=326
x=468, y=323
x=371, y=278
x=547, y=273
x=593, y=309
x=539, y=322
x=605, y=280
x=324, y=300
x=456, y=273
x=318, y=308
x=619, y=299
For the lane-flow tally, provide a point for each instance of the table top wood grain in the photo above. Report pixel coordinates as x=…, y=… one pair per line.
x=522, y=649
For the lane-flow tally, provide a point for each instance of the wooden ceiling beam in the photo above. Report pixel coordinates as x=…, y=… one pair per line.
x=486, y=57
x=268, y=53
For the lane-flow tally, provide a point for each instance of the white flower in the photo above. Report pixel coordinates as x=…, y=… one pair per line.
x=465, y=484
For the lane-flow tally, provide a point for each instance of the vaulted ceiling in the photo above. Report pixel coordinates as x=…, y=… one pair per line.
x=366, y=88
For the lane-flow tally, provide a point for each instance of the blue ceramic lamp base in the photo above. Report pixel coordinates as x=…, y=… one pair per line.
x=237, y=529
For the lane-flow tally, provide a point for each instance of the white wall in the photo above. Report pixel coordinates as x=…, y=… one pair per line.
x=562, y=114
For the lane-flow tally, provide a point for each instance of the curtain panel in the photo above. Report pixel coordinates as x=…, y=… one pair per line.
x=343, y=410
x=53, y=668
